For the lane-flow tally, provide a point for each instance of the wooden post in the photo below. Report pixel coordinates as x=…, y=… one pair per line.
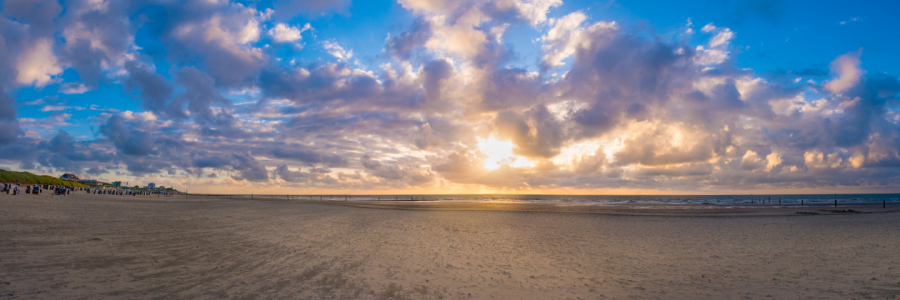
x=801, y=202
x=835, y=202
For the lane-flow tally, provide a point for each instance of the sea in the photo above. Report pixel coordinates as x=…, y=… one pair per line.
x=749, y=199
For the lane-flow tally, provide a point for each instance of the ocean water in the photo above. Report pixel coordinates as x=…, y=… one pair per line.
x=748, y=199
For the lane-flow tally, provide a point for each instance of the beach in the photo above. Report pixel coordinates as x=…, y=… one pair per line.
x=102, y=246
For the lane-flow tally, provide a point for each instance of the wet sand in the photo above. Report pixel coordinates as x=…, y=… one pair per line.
x=99, y=246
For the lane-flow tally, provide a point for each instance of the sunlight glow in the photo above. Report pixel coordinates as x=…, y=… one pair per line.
x=499, y=153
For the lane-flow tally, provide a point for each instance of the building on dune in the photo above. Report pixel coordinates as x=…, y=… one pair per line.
x=69, y=176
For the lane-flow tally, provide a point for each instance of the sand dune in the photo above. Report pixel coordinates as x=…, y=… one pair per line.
x=95, y=246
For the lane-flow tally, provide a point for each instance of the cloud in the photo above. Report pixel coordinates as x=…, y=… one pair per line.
x=60, y=108
x=537, y=133
x=38, y=65
x=773, y=160
x=851, y=20
x=152, y=89
x=282, y=33
x=721, y=38
x=291, y=176
x=249, y=168
x=847, y=68
x=337, y=51
x=8, y=120
x=308, y=157
x=218, y=38
x=74, y=88
x=534, y=11
x=39, y=14
x=403, y=45
x=129, y=141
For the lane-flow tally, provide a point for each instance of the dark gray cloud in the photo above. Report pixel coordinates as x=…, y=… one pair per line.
x=511, y=88
x=128, y=141
x=536, y=133
x=402, y=46
x=39, y=14
x=152, y=89
x=308, y=157
x=8, y=122
x=618, y=76
x=249, y=168
x=291, y=176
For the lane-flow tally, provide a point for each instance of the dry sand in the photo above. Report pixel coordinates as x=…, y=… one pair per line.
x=98, y=246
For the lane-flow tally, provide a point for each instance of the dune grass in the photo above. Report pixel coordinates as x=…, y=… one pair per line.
x=28, y=178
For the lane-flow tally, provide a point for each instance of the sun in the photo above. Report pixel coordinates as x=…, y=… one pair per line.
x=499, y=153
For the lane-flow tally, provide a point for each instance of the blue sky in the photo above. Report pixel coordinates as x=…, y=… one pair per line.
x=460, y=96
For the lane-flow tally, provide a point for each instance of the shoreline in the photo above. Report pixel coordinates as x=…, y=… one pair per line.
x=623, y=209
x=630, y=209
x=674, y=210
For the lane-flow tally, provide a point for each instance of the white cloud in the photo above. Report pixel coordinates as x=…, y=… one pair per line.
x=217, y=30
x=851, y=20
x=751, y=161
x=722, y=38
x=772, y=160
x=39, y=64
x=285, y=33
x=567, y=35
x=857, y=160
x=60, y=108
x=716, y=51
x=74, y=88
x=535, y=11
x=847, y=68
x=337, y=51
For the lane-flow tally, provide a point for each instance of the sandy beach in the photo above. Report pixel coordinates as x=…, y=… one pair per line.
x=97, y=246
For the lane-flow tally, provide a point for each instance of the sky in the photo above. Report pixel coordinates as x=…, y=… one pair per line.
x=455, y=96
